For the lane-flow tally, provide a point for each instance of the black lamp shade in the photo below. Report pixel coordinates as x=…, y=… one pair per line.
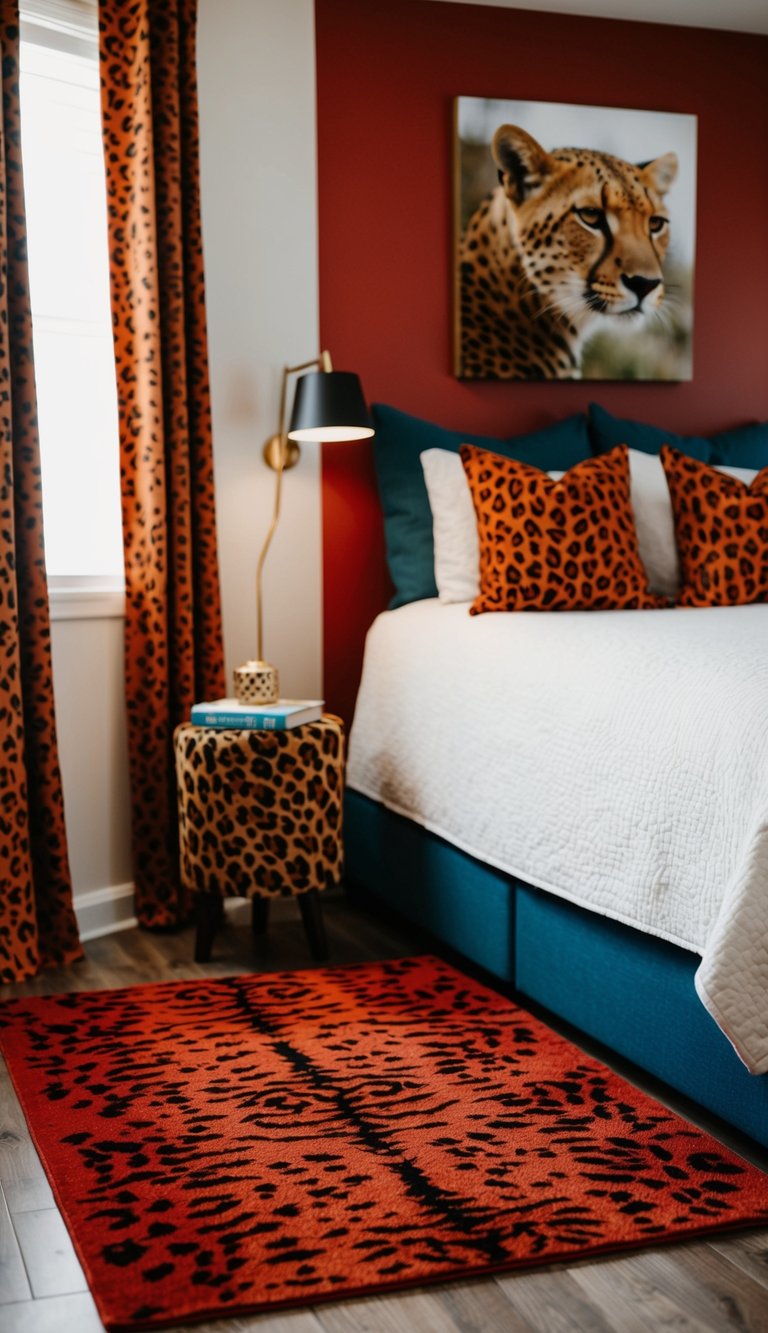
x=329, y=405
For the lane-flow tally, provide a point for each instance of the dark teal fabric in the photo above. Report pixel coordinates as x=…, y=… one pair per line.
x=629, y=990
x=744, y=446
x=636, y=994
x=468, y=905
x=608, y=431
x=397, y=444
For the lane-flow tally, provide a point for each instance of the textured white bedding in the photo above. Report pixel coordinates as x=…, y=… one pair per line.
x=616, y=758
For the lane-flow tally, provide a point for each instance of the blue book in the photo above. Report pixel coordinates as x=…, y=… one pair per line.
x=230, y=714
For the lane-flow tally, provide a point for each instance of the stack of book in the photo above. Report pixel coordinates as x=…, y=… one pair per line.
x=230, y=714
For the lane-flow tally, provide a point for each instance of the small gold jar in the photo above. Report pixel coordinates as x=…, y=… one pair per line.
x=256, y=683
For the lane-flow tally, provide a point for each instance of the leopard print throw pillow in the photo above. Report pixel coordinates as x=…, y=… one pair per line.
x=721, y=529
x=556, y=545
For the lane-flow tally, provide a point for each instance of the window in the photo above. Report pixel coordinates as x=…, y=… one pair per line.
x=69, y=279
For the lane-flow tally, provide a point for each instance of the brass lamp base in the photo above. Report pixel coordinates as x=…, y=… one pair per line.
x=276, y=448
x=256, y=683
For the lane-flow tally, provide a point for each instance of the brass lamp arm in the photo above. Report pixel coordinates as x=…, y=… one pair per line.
x=276, y=455
x=259, y=567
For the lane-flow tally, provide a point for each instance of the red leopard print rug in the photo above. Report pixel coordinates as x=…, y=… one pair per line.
x=233, y=1145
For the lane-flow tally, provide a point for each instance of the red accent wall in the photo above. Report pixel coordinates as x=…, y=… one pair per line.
x=386, y=77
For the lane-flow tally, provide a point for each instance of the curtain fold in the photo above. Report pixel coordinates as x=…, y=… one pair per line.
x=37, y=920
x=173, y=633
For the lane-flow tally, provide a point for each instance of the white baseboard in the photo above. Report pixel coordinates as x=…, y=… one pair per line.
x=104, y=911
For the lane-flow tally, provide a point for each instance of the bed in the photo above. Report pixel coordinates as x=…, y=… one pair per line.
x=578, y=802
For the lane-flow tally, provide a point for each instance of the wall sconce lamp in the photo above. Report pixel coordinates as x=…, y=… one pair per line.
x=328, y=405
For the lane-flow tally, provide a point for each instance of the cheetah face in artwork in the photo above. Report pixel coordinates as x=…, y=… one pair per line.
x=569, y=240
x=592, y=230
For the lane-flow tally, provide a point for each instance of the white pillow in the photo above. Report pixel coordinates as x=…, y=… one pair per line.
x=654, y=522
x=454, y=527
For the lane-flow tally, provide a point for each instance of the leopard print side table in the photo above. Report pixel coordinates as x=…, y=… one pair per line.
x=260, y=817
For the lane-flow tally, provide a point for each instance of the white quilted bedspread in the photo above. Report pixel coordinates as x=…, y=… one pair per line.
x=618, y=759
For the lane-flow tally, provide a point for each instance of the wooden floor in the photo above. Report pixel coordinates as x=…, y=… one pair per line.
x=713, y=1285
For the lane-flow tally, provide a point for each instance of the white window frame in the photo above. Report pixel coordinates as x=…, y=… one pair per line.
x=85, y=597
x=64, y=25
x=68, y=25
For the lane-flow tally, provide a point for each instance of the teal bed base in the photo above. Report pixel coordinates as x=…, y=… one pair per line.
x=628, y=990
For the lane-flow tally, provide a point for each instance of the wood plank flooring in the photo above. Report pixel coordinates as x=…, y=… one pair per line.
x=715, y=1285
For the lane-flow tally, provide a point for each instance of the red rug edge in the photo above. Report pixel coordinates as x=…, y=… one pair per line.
x=392, y=1288
x=395, y=1285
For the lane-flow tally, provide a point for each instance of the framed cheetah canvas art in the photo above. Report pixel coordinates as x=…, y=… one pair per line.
x=575, y=242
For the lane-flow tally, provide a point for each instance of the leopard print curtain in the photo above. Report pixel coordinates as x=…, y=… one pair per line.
x=173, y=637
x=37, y=921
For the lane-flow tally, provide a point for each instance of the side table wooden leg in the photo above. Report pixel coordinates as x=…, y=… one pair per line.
x=259, y=915
x=314, y=926
x=208, y=914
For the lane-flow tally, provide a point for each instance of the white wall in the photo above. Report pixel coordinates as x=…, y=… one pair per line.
x=256, y=72
x=735, y=16
x=259, y=186
x=93, y=756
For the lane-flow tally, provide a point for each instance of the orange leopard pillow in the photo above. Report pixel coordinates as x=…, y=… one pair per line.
x=547, y=545
x=721, y=529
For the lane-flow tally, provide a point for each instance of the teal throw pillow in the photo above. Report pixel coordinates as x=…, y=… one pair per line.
x=608, y=431
x=744, y=446
x=399, y=441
